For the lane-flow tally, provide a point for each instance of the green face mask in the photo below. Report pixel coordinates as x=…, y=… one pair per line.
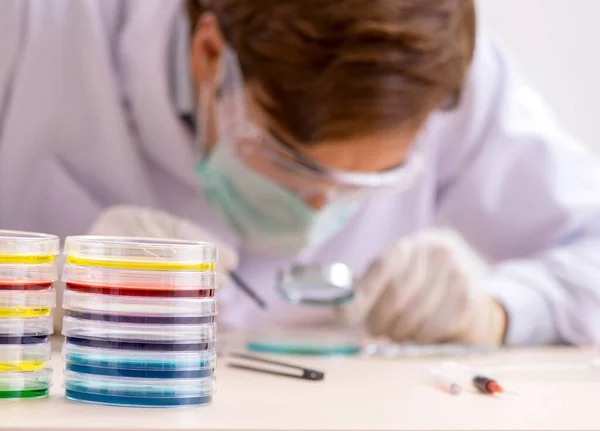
x=265, y=215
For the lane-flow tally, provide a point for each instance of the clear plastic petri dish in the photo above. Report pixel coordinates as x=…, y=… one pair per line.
x=303, y=347
x=149, y=283
x=16, y=386
x=33, y=248
x=128, y=309
x=26, y=331
x=160, y=365
x=18, y=358
x=140, y=337
x=319, y=340
x=141, y=253
x=128, y=392
x=24, y=305
x=27, y=277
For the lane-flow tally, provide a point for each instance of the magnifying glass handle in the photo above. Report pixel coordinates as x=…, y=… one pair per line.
x=248, y=290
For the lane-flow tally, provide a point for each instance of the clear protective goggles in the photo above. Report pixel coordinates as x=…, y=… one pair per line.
x=282, y=163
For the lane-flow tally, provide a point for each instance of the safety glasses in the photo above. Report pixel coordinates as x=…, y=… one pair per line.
x=279, y=161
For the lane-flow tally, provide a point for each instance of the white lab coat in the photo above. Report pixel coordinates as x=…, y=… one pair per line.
x=87, y=120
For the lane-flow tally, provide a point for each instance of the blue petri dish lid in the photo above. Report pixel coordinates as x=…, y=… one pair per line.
x=138, y=333
x=136, y=360
x=139, y=306
x=39, y=326
x=139, y=387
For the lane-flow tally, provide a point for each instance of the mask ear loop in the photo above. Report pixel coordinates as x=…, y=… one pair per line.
x=221, y=111
x=203, y=119
x=232, y=106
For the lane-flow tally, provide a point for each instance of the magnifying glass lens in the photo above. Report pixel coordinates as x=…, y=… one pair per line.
x=317, y=294
x=317, y=285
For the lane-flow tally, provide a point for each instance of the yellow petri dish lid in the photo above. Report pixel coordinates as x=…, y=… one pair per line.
x=141, y=253
x=17, y=247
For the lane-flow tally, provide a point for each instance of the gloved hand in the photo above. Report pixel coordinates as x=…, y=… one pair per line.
x=132, y=221
x=423, y=290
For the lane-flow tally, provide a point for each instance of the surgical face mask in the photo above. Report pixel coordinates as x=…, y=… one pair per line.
x=265, y=215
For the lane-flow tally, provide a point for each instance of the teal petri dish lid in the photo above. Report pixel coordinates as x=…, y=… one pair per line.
x=136, y=387
x=136, y=360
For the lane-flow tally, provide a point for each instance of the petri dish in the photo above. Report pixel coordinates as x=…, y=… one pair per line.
x=19, y=358
x=26, y=331
x=20, y=304
x=17, y=247
x=141, y=253
x=303, y=347
x=18, y=386
x=141, y=337
x=128, y=392
x=126, y=309
x=148, y=283
x=404, y=350
x=164, y=320
x=160, y=365
x=309, y=340
x=27, y=277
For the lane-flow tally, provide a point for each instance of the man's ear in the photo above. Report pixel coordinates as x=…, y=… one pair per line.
x=207, y=50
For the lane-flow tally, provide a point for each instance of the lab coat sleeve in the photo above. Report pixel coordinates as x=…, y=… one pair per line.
x=57, y=72
x=527, y=196
x=18, y=16
x=12, y=20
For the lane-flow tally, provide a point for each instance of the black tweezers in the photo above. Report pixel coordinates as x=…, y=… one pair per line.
x=307, y=373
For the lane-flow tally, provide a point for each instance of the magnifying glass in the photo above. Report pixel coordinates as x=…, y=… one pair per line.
x=317, y=284
x=331, y=285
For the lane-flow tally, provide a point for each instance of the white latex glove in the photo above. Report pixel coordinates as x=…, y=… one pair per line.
x=423, y=290
x=132, y=221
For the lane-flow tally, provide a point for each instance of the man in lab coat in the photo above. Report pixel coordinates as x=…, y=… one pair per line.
x=315, y=131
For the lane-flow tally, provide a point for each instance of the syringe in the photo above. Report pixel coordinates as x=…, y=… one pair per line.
x=443, y=382
x=483, y=384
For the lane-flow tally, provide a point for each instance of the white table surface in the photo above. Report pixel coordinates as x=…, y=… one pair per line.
x=357, y=393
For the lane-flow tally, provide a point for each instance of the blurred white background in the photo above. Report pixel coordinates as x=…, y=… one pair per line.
x=556, y=45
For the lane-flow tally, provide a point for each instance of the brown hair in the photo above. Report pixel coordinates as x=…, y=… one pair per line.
x=334, y=69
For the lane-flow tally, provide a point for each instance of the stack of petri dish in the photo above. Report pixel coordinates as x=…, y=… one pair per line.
x=27, y=297
x=139, y=321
